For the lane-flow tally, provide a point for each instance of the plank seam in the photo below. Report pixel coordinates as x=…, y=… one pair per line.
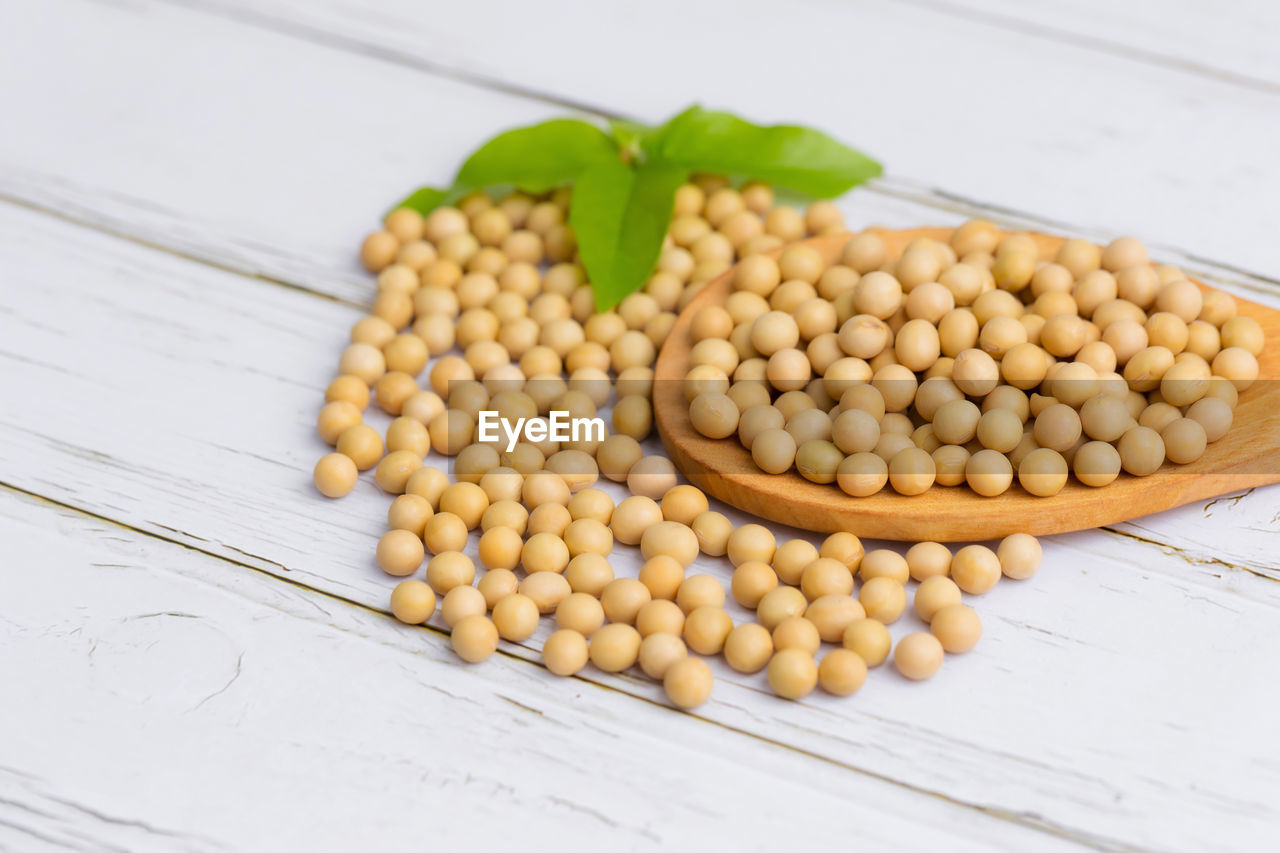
x=1027, y=820
x=138, y=240
x=1093, y=44
x=943, y=199
x=354, y=44
x=1188, y=557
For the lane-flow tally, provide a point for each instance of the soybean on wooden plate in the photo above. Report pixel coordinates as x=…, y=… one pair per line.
x=1248, y=456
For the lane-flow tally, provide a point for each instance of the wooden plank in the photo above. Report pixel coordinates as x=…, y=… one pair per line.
x=1191, y=36
x=191, y=134
x=97, y=158
x=985, y=112
x=131, y=176
x=178, y=399
x=172, y=700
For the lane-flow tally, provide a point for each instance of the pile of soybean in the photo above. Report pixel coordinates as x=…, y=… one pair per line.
x=970, y=361
x=488, y=302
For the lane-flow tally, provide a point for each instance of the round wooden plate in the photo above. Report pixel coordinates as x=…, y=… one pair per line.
x=1248, y=456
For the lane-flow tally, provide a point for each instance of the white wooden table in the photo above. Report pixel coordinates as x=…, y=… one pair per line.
x=195, y=650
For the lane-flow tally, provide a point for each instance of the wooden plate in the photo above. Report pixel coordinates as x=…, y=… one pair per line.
x=1248, y=456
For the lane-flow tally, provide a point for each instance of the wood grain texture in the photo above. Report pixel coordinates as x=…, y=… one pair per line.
x=116, y=177
x=109, y=169
x=181, y=405
x=1247, y=457
x=1190, y=36
x=178, y=399
x=1074, y=135
x=180, y=702
x=171, y=88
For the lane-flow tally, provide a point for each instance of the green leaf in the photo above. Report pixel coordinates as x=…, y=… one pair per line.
x=633, y=138
x=425, y=199
x=620, y=215
x=626, y=132
x=798, y=158
x=538, y=157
